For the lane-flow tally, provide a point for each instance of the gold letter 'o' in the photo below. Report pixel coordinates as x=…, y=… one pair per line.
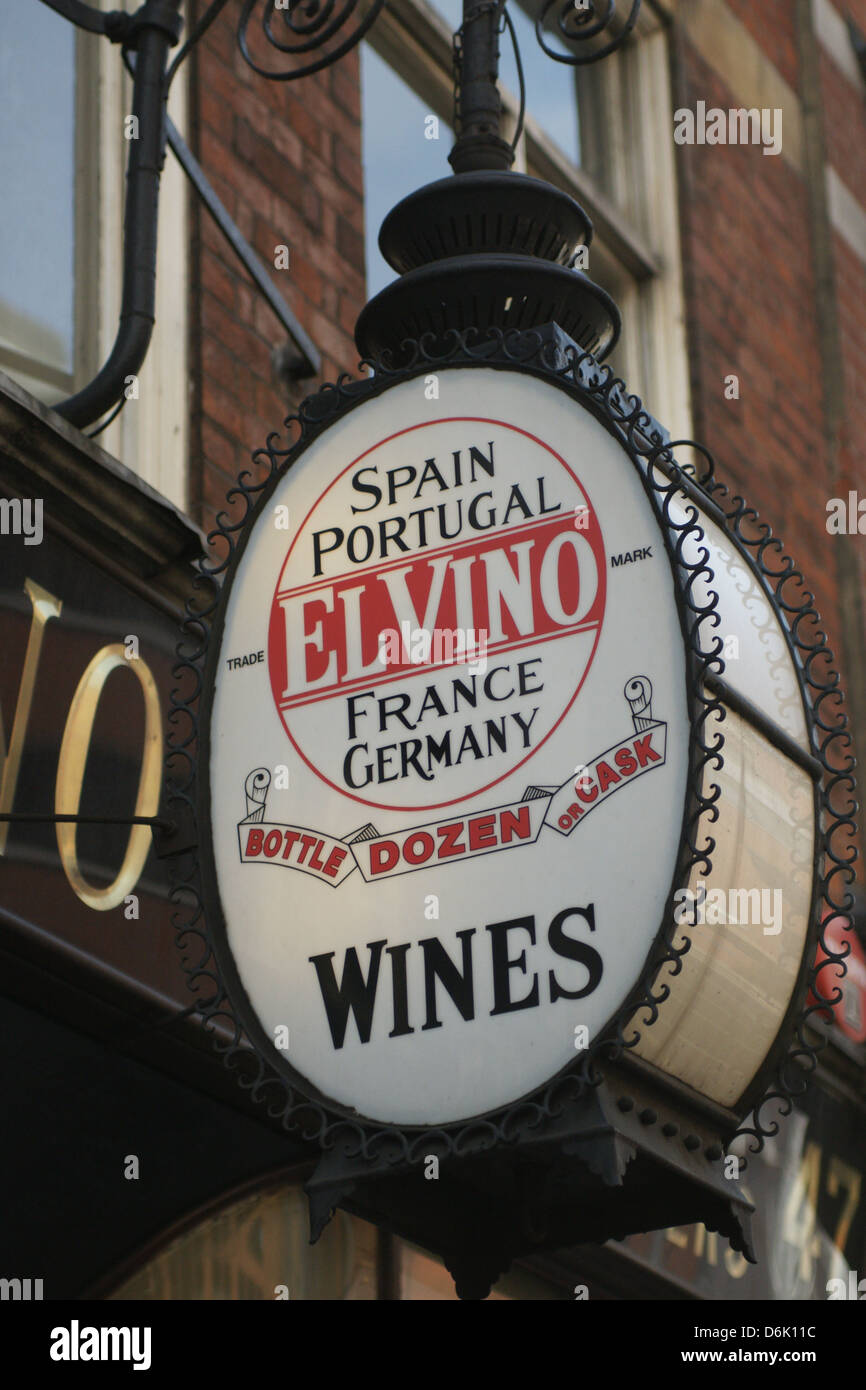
x=70, y=775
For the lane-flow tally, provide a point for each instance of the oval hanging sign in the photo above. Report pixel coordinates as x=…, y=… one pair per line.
x=448, y=747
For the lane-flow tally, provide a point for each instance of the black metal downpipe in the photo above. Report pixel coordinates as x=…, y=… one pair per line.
x=151, y=33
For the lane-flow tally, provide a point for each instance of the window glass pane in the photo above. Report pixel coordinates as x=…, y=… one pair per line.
x=551, y=90
x=424, y=1278
x=399, y=155
x=259, y=1248
x=37, y=168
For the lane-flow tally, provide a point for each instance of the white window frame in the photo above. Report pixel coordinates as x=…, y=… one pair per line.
x=150, y=436
x=45, y=379
x=636, y=244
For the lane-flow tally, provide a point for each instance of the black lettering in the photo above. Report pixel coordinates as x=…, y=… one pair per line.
x=383, y=762
x=496, y=734
x=356, y=714
x=347, y=767
x=372, y=488
x=472, y=515
x=469, y=743
x=402, y=701
x=468, y=693
x=421, y=512
x=430, y=473
x=459, y=986
x=523, y=677
x=392, y=480
x=433, y=699
x=488, y=684
x=399, y=523
x=353, y=992
x=400, y=990
x=541, y=507
x=579, y=951
x=476, y=457
x=351, y=546
x=319, y=550
x=523, y=725
x=516, y=499
x=410, y=759
x=503, y=965
x=628, y=557
x=439, y=752
x=441, y=509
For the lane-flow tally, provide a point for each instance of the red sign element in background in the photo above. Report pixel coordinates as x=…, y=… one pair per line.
x=849, y=1014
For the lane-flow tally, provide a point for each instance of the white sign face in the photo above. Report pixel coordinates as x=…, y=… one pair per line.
x=449, y=745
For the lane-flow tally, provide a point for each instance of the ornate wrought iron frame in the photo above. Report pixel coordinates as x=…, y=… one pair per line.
x=293, y=1101
x=578, y=23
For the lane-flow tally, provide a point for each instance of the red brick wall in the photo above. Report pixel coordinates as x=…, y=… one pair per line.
x=772, y=24
x=751, y=313
x=753, y=310
x=285, y=158
x=844, y=104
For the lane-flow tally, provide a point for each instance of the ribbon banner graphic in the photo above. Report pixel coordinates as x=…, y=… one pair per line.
x=561, y=808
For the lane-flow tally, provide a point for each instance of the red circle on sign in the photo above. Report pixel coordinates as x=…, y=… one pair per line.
x=553, y=567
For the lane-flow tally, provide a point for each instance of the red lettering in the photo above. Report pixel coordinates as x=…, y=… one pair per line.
x=315, y=632
x=585, y=794
x=383, y=856
x=422, y=854
x=625, y=762
x=606, y=775
x=481, y=832
x=514, y=824
x=307, y=841
x=315, y=861
x=254, y=841
x=334, y=860
x=290, y=838
x=450, y=835
x=645, y=751
x=272, y=843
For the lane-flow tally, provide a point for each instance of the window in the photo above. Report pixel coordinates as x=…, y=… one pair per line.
x=394, y=165
x=602, y=133
x=63, y=165
x=551, y=87
x=38, y=208
x=256, y=1246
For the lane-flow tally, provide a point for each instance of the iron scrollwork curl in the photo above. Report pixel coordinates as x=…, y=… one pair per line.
x=677, y=495
x=317, y=32
x=787, y=1070
x=579, y=21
